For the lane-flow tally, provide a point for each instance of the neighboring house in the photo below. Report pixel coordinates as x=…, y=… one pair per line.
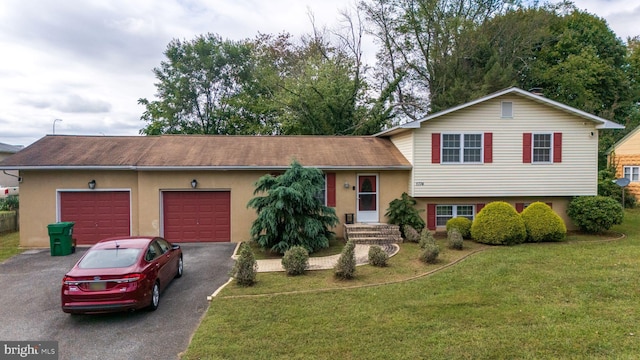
x=8, y=178
x=625, y=156
x=512, y=146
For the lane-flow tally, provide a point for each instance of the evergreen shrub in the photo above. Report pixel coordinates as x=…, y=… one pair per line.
x=410, y=234
x=295, y=260
x=594, y=214
x=403, y=212
x=462, y=224
x=430, y=253
x=498, y=223
x=345, y=269
x=426, y=238
x=543, y=224
x=245, y=269
x=377, y=256
x=454, y=239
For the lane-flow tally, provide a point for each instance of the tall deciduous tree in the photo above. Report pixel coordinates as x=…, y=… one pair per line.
x=290, y=213
x=196, y=86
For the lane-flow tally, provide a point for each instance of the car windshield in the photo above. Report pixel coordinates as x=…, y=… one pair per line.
x=109, y=258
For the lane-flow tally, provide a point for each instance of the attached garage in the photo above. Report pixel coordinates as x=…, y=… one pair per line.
x=97, y=214
x=197, y=216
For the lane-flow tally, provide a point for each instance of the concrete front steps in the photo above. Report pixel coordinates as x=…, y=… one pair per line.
x=373, y=234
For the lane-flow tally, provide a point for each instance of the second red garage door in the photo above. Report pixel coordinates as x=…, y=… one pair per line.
x=197, y=216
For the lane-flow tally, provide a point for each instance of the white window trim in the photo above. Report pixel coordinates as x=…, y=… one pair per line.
x=533, y=137
x=502, y=108
x=461, y=155
x=631, y=167
x=454, y=211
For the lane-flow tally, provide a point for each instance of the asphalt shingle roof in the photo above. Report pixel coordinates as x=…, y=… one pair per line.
x=201, y=151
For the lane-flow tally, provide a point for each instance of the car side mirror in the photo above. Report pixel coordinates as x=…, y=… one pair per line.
x=175, y=246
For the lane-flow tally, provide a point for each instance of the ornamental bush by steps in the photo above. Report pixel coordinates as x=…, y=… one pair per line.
x=498, y=223
x=345, y=269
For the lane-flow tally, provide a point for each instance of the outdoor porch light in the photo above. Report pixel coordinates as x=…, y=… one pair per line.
x=194, y=183
x=92, y=184
x=346, y=184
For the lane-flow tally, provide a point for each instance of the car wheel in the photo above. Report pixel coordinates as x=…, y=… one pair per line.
x=155, y=296
x=180, y=267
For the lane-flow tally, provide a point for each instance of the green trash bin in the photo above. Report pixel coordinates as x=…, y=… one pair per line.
x=60, y=238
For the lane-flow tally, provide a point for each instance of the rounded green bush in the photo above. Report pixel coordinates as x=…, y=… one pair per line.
x=542, y=223
x=377, y=256
x=295, y=260
x=454, y=239
x=430, y=253
x=498, y=223
x=462, y=224
x=426, y=237
x=594, y=214
x=410, y=234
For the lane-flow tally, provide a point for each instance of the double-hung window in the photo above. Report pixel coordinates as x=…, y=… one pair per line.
x=446, y=212
x=461, y=148
x=322, y=194
x=632, y=173
x=541, y=148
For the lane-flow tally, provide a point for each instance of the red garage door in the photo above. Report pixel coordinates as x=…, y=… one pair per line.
x=97, y=214
x=197, y=216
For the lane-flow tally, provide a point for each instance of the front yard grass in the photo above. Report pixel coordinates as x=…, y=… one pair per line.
x=9, y=243
x=576, y=299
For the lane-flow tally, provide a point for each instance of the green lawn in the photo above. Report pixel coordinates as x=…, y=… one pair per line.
x=573, y=300
x=9, y=245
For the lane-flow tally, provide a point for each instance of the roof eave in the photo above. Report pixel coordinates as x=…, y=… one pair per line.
x=209, y=168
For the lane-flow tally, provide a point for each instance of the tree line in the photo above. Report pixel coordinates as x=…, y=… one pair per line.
x=432, y=55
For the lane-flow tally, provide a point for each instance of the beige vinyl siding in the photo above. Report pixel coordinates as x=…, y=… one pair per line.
x=404, y=143
x=507, y=175
x=630, y=146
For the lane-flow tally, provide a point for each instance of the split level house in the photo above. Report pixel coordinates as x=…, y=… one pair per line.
x=511, y=146
x=625, y=156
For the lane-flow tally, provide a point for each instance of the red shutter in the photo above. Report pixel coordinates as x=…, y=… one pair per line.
x=519, y=207
x=526, y=148
x=488, y=147
x=435, y=148
x=431, y=216
x=550, y=205
x=331, y=189
x=479, y=207
x=557, y=147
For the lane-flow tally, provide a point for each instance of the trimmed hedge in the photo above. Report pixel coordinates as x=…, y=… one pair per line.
x=295, y=260
x=345, y=269
x=498, y=223
x=462, y=224
x=410, y=234
x=543, y=224
x=454, y=239
x=594, y=214
x=377, y=256
x=245, y=269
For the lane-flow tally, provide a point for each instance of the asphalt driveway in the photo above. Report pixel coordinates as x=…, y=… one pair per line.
x=30, y=307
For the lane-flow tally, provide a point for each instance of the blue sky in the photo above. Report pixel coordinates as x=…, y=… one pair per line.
x=87, y=62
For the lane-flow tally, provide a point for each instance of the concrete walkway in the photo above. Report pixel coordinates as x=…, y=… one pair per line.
x=327, y=262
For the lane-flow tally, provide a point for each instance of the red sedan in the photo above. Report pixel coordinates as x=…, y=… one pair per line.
x=121, y=274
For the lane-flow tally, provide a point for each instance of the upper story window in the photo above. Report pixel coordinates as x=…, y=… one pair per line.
x=632, y=173
x=507, y=109
x=461, y=148
x=542, y=148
